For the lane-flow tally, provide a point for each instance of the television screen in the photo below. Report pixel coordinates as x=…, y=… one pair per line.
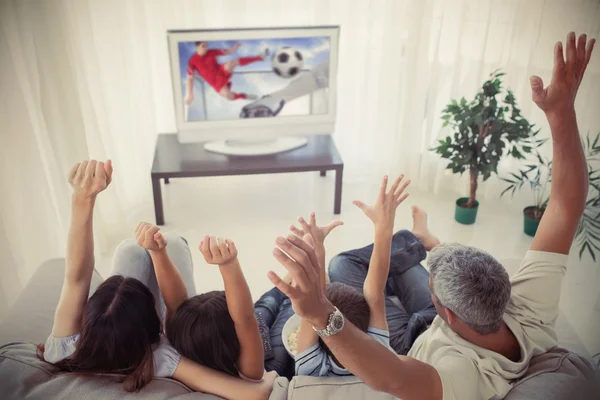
x=230, y=79
x=222, y=78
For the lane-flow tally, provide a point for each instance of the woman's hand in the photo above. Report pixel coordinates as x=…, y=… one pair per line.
x=149, y=237
x=318, y=233
x=383, y=212
x=218, y=251
x=88, y=178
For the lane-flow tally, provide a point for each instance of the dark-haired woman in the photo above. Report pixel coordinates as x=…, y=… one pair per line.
x=118, y=329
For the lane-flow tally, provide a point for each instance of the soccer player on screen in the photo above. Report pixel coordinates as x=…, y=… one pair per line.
x=217, y=75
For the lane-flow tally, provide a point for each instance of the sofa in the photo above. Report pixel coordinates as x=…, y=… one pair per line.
x=558, y=374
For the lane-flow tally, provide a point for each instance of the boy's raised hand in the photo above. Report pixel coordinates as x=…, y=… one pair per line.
x=218, y=251
x=318, y=233
x=383, y=212
x=149, y=237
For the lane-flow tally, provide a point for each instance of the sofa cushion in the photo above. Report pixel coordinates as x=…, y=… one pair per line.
x=24, y=376
x=558, y=375
x=332, y=388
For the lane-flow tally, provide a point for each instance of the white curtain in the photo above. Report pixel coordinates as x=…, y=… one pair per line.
x=84, y=78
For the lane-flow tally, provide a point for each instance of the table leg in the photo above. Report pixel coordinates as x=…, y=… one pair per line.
x=167, y=181
x=337, y=206
x=158, y=204
x=323, y=173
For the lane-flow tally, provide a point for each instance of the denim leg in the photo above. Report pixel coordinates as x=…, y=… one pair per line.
x=269, y=304
x=132, y=260
x=281, y=362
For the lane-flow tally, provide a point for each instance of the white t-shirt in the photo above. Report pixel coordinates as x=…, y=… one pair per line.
x=314, y=361
x=468, y=371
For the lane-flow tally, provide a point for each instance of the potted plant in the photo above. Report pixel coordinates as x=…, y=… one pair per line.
x=485, y=129
x=537, y=176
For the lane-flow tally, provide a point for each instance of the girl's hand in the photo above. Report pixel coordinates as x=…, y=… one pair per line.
x=88, y=178
x=149, y=237
x=218, y=251
x=318, y=233
x=383, y=212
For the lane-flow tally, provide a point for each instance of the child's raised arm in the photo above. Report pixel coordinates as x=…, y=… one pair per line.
x=382, y=213
x=169, y=280
x=222, y=252
x=87, y=180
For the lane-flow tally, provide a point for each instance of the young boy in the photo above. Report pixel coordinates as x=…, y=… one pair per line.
x=217, y=75
x=365, y=310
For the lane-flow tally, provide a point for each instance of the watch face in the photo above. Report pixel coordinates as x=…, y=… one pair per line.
x=338, y=322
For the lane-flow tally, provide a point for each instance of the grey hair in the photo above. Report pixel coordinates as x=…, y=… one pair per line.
x=472, y=284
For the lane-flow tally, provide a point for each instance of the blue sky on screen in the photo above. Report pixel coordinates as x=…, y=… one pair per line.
x=315, y=50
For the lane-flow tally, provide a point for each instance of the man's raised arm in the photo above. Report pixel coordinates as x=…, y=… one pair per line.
x=569, y=169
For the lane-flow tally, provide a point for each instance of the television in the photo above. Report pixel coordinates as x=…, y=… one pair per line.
x=254, y=91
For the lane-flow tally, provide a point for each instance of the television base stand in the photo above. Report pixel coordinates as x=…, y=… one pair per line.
x=255, y=147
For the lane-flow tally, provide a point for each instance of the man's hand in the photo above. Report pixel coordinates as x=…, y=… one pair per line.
x=149, y=237
x=318, y=233
x=559, y=96
x=88, y=178
x=189, y=99
x=383, y=212
x=308, y=300
x=218, y=251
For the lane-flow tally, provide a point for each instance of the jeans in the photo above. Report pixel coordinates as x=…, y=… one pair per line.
x=133, y=261
x=407, y=280
x=276, y=309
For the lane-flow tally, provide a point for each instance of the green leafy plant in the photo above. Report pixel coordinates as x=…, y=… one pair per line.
x=537, y=175
x=588, y=232
x=485, y=129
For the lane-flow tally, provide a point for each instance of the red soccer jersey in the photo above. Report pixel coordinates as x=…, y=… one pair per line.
x=208, y=68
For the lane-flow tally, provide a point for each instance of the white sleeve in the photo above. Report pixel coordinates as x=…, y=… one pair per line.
x=312, y=362
x=58, y=348
x=536, y=286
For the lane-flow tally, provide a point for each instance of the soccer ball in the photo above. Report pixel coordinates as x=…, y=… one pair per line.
x=287, y=62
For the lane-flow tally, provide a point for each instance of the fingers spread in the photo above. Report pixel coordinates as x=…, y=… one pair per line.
x=297, y=270
x=571, y=51
x=305, y=227
x=331, y=226
x=306, y=248
x=313, y=219
x=296, y=231
x=383, y=187
x=286, y=288
x=559, y=62
x=401, y=189
x=360, y=205
x=588, y=53
x=581, y=51
x=394, y=187
x=401, y=198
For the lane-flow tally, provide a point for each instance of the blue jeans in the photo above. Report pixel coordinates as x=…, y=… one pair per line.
x=407, y=280
x=276, y=309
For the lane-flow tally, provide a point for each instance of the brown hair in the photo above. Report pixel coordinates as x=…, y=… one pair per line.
x=119, y=327
x=351, y=303
x=203, y=331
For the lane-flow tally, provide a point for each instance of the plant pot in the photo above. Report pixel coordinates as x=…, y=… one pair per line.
x=530, y=223
x=465, y=215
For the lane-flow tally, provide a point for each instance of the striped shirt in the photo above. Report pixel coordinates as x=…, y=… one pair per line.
x=314, y=361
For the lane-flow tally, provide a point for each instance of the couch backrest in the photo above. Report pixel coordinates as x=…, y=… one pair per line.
x=24, y=376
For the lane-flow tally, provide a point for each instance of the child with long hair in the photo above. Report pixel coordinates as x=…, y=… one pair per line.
x=119, y=328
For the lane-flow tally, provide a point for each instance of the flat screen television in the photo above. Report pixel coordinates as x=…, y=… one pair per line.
x=254, y=91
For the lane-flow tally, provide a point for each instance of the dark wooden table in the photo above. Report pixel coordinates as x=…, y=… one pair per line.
x=189, y=160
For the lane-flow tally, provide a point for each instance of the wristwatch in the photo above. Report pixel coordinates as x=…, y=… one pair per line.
x=334, y=326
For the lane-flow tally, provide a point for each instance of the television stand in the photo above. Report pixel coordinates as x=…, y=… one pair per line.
x=255, y=147
x=189, y=160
